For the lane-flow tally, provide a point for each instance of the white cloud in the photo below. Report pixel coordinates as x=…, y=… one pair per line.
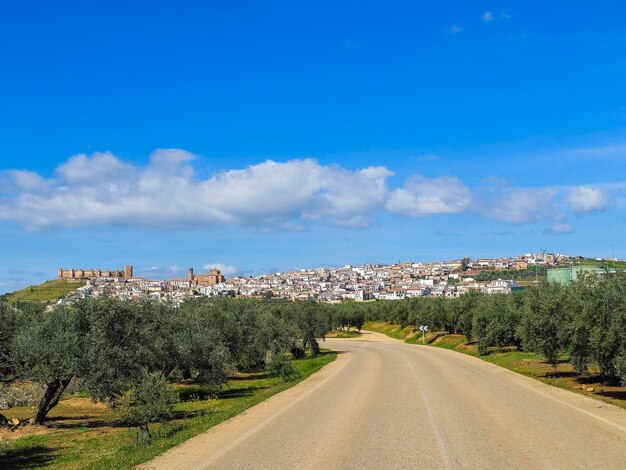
x=517, y=205
x=27, y=180
x=102, y=189
x=84, y=169
x=171, y=157
x=455, y=29
x=559, y=229
x=157, y=272
x=226, y=269
x=488, y=16
x=422, y=196
x=598, y=152
x=587, y=199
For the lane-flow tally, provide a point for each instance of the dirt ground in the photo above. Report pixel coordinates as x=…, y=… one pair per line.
x=73, y=412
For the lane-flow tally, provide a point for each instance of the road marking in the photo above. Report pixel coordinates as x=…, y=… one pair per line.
x=441, y=445
x=224, y=450
x=588, y=413
x=484, y=366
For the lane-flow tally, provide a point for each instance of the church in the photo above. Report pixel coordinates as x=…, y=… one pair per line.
x=214, y=277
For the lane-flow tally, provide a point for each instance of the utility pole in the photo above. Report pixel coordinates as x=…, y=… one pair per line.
x=543, y=253
x=613, y=246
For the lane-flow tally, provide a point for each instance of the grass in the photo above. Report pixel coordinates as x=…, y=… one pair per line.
x=526, y=363
x=81, y=434
x=391, y=330
x=343, y=334
x=47, y=292
x=604, y=263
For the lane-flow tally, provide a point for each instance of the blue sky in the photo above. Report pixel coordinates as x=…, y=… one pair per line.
x=270, y=136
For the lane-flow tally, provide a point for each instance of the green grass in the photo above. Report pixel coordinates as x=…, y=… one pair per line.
x=344, y=334
x=525, y=363
x=47, y=292
x=604, y=263
x=391, y=330
x=107, y=444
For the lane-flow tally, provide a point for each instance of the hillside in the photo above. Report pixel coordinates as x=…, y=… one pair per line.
x=46, y=292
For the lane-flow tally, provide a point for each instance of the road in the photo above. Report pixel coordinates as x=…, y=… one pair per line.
x=386, y=404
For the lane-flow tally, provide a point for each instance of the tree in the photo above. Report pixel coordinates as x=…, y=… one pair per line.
x=120, y=339
x=494, y=321
x=357, y=318
x=312, y=320
x=466, y=306
x=542, y=325
x=608, y=323
x=577, y=323
x=451, y=315
x=620, y=366
x=8, y=327
x=151, y=400
x=205, y=338
x=46, y=350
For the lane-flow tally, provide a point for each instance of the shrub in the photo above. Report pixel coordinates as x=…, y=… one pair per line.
x=151, y=400
x=281, y=366
x=20, y=394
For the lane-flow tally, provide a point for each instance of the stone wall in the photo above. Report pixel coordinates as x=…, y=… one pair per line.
x=71, y=274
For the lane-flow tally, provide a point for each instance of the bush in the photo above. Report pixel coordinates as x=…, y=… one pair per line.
x=20, y=394
x=152, y=400
x=281, y=366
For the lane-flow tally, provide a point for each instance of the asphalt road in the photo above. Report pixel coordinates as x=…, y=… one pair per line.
x=386, y=404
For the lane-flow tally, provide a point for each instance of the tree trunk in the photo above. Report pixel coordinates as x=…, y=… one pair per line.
x=186, y=373
x=315, y=347
x=50, y=399
x=57, y=396
x=42, y=408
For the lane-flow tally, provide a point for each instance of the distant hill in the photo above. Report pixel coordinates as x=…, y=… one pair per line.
x=47, y=292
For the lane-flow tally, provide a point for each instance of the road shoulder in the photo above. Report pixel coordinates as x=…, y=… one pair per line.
x=200, y=451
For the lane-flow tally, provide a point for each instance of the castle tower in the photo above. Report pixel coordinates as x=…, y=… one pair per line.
x=190, y=274
x=128, y=271
x=60, y=273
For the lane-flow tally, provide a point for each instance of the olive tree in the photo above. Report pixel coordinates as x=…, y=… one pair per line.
x=47, y=348
x=8, y=327
x=150, y=400
x=203, y=349
x=542, y=324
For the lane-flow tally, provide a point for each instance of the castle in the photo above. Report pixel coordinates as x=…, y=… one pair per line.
x=78, y=274
x=210, y=279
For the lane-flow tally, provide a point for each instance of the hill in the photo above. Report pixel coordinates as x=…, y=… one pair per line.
x=47, y=292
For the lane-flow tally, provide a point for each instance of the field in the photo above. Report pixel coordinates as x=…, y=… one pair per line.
x=526, y=363
x=82, y=434
x=46, y=292
x=604, y=264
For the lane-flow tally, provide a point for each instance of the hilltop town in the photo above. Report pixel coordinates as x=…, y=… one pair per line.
x=359, y=283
